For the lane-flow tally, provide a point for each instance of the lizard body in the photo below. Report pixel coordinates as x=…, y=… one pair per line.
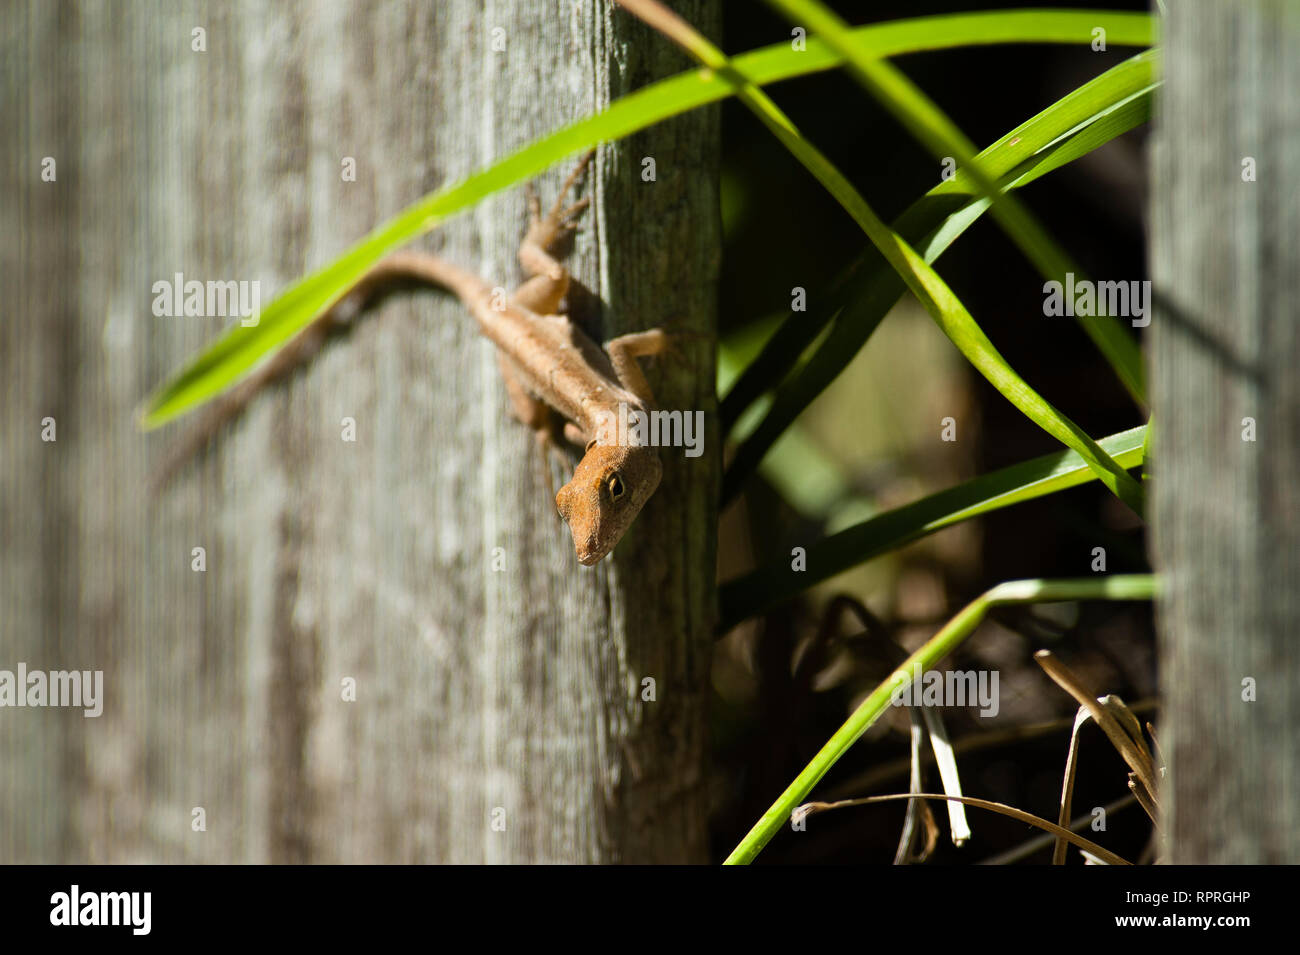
x=548, y=363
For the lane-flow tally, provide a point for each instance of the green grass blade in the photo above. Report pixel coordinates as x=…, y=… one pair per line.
x=775, y=63
x=1119, y=99
x=920, y=115
x=949, y=637
x=776, y=583
x=238, y=350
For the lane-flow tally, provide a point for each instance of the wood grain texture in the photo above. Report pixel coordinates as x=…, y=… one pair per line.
x=478, y=690
x=1225, y=347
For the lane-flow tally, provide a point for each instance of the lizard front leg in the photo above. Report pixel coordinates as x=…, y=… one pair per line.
x=626, y=349
x=534, y=413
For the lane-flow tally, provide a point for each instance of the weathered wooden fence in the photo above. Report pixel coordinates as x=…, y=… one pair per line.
x=501, y=710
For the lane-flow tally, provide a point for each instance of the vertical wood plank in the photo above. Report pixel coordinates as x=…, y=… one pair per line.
x=1225, y=347
x=512, y=694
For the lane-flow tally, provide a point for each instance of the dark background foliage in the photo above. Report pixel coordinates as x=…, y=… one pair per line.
x=783, y=230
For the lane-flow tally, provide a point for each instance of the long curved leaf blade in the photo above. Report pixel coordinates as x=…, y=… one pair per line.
x=769, y=586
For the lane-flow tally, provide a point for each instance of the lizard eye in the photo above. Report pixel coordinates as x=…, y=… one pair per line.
x=616, y=489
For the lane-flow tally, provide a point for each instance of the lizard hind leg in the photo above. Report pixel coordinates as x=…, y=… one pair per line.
x=555, y=215
x=538, y=251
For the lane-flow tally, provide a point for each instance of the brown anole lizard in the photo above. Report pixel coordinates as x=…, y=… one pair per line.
x=549, y=365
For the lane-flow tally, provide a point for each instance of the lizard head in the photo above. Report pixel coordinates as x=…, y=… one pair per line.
x=609, y=486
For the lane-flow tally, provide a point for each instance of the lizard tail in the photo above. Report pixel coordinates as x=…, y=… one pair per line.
x=421, y=267
x=400, y=267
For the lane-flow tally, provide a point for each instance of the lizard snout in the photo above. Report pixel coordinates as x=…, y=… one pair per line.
x=583, y=520
x=608, y=488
